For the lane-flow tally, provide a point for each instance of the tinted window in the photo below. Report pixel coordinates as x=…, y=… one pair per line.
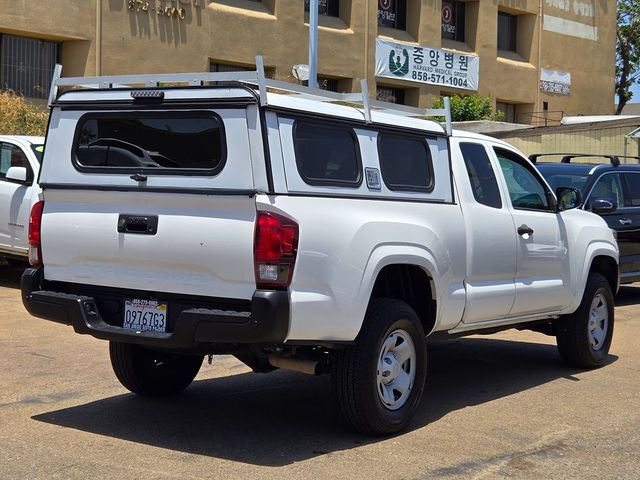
x=632, y=198
x=507, y=31
x=405, y=163
x=565, y=180
x=326, y=155
x=525, y=190
x=608, y=187
x=481, y=175
x=157, y=141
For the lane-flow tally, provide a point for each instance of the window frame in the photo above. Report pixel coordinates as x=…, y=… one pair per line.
x=512, y=33
x=623, y=190
x=297, y=120
x=430, y=171
x=458, y=7
x=211, y=172
x=514, y=157
x=400, y=21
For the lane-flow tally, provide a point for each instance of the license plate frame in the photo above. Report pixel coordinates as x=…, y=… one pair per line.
x=143, y=315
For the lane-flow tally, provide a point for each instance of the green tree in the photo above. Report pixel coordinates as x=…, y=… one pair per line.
x=627, y=50
x=19, y=117
x=470, y=107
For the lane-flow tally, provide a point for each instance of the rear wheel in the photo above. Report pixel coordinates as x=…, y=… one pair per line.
x=584, y=337
x=150, y=372
x=378, y=383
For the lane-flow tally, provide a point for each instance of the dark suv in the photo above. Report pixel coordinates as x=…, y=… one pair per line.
x=612, y=190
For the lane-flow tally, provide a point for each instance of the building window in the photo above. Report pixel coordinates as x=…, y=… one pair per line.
x=453, y=13
x=326, y=7
x=508, y=110
x=226, y=67
x=392, y=14
x=329, y=84
x=507, y=31
x=391, y=95
x=27, y=64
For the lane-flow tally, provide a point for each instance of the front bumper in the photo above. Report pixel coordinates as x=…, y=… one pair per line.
x=267, y=320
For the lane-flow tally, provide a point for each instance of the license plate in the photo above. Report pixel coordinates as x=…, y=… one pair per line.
x=145, y=315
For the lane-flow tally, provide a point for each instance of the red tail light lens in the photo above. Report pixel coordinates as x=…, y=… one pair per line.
x=275, y=248
x=35, y=246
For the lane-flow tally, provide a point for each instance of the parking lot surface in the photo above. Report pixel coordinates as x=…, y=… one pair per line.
x=499, y=406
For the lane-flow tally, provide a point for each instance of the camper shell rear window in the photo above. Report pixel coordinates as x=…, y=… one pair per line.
x=177, y=143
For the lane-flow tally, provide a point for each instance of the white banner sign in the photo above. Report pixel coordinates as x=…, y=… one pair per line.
x=426, y=65
x=553, y=81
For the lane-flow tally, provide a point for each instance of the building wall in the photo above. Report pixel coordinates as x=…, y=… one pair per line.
x=108, y=37
x=608, y=138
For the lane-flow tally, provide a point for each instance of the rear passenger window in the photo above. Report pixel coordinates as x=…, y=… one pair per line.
x=405, y=163
x=327, y=155
x=481, y=175
x=632, y=198
x=169, y=142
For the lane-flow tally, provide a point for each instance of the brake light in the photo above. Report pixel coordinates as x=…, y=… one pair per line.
x=35, y=245
x=274, y=250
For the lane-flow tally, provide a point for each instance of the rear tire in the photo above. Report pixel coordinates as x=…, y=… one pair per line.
x=378, y=382
x=150, y=372
x=584, y=337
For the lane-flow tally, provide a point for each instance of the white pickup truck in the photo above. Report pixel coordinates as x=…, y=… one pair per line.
x=19, y=166
x=296, y=232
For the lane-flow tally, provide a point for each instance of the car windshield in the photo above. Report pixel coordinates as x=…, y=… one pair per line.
x=38, y=150
x=556, y=180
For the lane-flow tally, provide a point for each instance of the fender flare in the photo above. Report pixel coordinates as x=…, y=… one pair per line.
x=394, y=254
x=594, y=249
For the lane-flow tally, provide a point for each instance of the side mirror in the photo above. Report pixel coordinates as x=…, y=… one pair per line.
x=603, y=205
x=17, y=174
x=568, y=198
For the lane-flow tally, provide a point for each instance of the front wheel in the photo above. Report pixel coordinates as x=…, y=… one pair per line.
x=584, y=337
x=378, y=382
x=150, y=372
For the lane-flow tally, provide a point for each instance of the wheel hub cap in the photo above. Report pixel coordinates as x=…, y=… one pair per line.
x=396, y=369
x=598, y=322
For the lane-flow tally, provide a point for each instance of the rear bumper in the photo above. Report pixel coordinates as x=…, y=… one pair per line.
x=266, y=322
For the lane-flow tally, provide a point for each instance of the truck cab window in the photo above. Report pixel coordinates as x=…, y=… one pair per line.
x=525, y=189
x=481, y=175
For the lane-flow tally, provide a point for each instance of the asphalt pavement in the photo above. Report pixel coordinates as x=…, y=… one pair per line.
x=498, y=406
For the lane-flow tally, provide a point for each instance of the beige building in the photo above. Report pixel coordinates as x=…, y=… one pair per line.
x=537, y=58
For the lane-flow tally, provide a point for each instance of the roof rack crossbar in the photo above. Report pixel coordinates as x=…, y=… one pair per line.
x=567, y=157
x=253, y=78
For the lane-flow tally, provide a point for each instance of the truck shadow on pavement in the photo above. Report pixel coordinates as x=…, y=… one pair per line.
x=283, y=417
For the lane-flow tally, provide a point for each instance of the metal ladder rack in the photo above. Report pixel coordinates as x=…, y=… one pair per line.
x=252, y=78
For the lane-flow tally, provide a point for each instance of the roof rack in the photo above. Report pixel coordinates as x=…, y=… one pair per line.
x=567, y=157
x=253, y=78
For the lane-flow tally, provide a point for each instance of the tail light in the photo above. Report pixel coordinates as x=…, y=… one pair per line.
x=274, y=250
x=35, y=245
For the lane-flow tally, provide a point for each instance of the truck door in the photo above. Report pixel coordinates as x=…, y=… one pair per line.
x=542, y=275
x=491, y=243
x=15, y=200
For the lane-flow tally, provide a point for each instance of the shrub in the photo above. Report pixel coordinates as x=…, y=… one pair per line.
x=19, y=117
x=470, y=107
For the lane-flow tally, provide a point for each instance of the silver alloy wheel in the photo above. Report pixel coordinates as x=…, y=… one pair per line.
x=396, y=369
x=598, y=321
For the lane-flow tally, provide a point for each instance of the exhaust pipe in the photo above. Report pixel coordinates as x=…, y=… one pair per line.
x=310, y=367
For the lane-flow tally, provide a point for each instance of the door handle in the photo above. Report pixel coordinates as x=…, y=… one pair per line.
x=140, y=224
x=625, y=221
x=525, y=230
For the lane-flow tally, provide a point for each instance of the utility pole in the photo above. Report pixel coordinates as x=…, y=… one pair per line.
x=313, y=43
